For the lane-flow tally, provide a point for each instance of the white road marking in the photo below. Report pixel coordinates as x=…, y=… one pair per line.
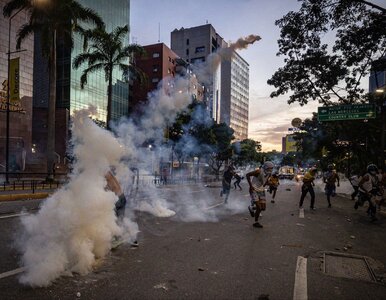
x=213, y=206
x=13, y=215
x=11, y=273
x=301, y=213
x=300, y=287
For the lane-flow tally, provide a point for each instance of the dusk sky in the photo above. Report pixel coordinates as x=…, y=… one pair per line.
x=269, y=119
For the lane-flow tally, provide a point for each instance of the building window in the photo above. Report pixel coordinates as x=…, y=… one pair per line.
x=156, y=54
x=170, y=59
x=200, y=49
x=169, y=71
x=155, y=69
x=187, y=52
x=198, y=59
x=155, y=80
x=187, y=42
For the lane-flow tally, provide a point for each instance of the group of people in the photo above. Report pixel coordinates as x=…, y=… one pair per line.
x=369, y=188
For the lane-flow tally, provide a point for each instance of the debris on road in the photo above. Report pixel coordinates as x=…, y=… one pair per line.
x=161, y=286
x=299, y=224
x=292, y=246
x=201, y=269
x=78, y=294
x=352, y=236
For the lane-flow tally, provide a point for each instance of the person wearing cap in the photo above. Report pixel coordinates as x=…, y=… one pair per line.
x=257, y=181
x=308, y=187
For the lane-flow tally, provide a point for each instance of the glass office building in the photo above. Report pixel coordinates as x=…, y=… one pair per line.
x=70, y=95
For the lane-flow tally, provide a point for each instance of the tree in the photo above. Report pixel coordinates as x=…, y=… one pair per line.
x=221, y=149
x=53, y=20
x=313, y=70
x=351, y=145
x=246, y=152
x=107, y=52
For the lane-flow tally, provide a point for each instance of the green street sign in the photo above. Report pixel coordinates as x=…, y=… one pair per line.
x=346, y=112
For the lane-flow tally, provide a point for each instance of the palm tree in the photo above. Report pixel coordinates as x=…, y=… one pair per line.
x=52, y=19
x=105, y=52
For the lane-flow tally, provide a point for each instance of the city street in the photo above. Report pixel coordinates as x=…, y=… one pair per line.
x=209, y=250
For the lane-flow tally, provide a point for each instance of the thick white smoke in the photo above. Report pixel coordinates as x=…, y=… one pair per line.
x=75, y=226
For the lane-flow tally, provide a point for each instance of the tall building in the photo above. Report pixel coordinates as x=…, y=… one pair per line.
x=158, y=63
x=228, y=85
x=194, y=45
x=377, y=80
x=161, y=65
x=20, y=116
x=70, y=95
x=234, y=107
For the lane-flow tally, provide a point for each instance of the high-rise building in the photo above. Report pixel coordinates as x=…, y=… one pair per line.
x=194, y=45
x=234, y=107
x=20, y=116
x=70, y=95
x=377, y=80
x=228, y=82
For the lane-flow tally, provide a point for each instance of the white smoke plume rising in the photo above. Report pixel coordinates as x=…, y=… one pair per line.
x=205, y=70
x=75, y=226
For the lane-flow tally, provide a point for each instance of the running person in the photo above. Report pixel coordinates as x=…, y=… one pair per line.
x=369, y=188
x=308, y=187
x=273, y=183
x=256, y=190
x=226, y=183
x=238, y=180
x=329, y=178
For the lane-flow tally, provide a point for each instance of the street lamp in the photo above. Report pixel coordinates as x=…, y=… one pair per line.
x=382, y=91
x=9, y=95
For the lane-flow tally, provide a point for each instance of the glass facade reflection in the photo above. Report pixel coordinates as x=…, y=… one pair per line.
x=69, y=92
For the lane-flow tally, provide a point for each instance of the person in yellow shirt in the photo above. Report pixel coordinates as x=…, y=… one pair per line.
x=273, y=183
x=308, y=187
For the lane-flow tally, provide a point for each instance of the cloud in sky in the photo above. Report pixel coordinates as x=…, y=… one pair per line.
x=269, y=119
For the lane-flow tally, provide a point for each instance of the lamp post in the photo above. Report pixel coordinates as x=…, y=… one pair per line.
x=9, y=95
x=382, y=92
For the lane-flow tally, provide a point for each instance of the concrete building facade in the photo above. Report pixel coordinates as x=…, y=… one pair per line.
x=226, y=81
x=235, y=95
x=194, y=45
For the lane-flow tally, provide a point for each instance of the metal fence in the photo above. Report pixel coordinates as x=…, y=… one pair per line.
x=37, y=181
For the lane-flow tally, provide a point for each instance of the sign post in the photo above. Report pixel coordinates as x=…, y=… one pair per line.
x=346, y=112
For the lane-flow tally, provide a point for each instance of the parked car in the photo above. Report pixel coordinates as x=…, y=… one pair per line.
x=286, y=172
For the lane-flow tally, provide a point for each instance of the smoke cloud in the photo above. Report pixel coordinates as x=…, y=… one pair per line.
x=76, y=225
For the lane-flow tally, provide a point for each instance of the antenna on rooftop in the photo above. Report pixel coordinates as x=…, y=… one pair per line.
x=159, y=32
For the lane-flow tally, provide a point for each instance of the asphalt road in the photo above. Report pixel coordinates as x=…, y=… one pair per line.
x=209, y=250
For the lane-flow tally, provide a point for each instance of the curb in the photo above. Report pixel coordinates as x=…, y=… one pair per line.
x=13, y=197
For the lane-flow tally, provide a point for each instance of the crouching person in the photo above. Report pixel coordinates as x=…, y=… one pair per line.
x=114, y=186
